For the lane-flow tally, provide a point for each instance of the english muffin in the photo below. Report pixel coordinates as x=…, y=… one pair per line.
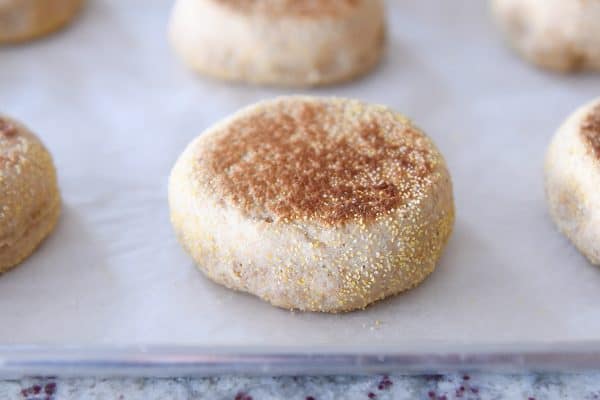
x=22, y=20
x=556, y=34
x=29, y=196
x=279, y=42
x=313, y=204
x=573, y=179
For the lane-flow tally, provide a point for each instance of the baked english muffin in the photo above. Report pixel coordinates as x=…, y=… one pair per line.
x=313, y=204
x=22, y=20
x=29, y=196
x=562, y=35
x=279, y=42
x=573, y=180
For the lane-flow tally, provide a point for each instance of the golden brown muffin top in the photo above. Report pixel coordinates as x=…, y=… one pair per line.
x=27, y=178
x=327, y=160
x=18, y=149
x=8, y=133
x=298, y=8
x=590, y=129
x=7, y=128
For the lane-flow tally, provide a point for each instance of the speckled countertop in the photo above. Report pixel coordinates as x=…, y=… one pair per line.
x=437, y=387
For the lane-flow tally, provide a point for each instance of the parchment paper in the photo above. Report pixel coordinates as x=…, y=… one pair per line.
x=116, y=108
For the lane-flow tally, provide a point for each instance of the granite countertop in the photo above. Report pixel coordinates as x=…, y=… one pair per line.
x=437, y=387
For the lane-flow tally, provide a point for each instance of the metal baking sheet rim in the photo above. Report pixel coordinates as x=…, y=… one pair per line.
x=173, y=361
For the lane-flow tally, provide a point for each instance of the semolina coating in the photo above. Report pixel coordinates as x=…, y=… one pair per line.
x=572, y=174
x=559, y=35
x=316, y=204
x=29, y=195
x=22, y=20
x=294, y=43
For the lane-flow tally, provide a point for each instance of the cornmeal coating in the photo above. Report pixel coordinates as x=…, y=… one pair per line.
x=313, y=204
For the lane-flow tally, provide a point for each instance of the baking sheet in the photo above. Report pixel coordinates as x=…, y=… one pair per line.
x=116, y=108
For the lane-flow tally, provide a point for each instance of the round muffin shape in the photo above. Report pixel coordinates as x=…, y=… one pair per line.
x=279, y=42
x=29, y=196
x=556, y=34
x=573, y=179
x=313, y=204
x=21, y=20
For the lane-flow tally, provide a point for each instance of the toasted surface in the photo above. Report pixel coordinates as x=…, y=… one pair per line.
x=590, y=130
x=296, y=8
x=313, y=204
x=7, y=129
x=573, y=178
x=325, y=160
x=21, y=20
x=29, y=196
